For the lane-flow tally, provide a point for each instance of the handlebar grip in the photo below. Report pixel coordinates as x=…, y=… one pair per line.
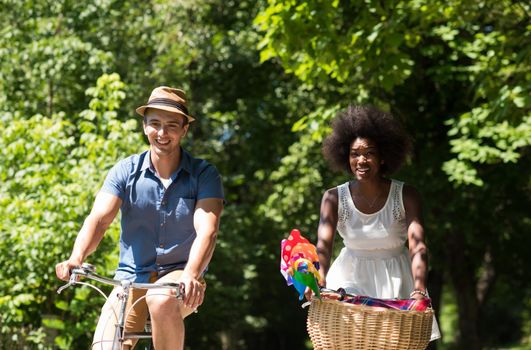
x=88, y=267
x=84, y=269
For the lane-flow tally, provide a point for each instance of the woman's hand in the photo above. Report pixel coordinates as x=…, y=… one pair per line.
x=417, y=297
x=308, y=294
x=418, y=294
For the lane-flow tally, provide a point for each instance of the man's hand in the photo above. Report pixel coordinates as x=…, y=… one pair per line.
x=194, y=291
x=62, y=270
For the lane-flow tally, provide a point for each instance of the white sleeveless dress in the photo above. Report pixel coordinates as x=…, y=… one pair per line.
x=374, y=261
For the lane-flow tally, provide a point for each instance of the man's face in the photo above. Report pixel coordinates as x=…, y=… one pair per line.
x=164, y=131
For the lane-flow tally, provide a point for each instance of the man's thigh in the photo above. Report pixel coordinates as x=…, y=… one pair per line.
x=175, y=277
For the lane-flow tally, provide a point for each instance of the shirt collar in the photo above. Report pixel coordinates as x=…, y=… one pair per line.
x=186, y=161
x=184, y=164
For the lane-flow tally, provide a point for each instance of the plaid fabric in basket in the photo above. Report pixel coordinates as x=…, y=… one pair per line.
x=397, y=304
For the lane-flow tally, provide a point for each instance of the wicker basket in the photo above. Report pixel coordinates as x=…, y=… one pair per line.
x=336, y=325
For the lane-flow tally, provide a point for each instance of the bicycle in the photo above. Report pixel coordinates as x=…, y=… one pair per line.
x=120, y=335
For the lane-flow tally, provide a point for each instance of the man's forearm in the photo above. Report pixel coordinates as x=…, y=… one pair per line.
x=87, y=240
x=201, y=253
x=103, y=212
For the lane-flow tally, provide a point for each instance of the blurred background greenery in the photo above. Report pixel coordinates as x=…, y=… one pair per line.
x=265, y=78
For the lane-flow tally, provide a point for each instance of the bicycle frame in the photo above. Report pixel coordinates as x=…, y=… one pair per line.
x=88, y=271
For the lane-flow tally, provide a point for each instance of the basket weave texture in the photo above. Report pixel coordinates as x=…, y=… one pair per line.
x=342, y=326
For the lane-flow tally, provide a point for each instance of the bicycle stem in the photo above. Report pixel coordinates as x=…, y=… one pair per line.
x=124, y=295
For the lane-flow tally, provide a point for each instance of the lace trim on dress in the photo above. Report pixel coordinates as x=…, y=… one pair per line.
x=397, y=213
x=344, y=213
x=344, y=210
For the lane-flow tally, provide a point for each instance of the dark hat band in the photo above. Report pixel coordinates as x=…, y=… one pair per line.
x=168, y=102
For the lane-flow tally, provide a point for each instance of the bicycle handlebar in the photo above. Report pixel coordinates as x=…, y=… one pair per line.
x=341, y=292
x=88, y=271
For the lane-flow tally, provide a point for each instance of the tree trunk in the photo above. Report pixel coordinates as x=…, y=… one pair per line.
x=462, y=273
x=435, y=283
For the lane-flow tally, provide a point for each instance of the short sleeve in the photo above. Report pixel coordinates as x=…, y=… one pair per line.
x=116, y=180
x=209, y=184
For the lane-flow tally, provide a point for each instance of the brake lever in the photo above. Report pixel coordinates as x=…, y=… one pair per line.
x=71, y=281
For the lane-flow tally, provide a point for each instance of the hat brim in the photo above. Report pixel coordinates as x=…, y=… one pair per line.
x=142, y=109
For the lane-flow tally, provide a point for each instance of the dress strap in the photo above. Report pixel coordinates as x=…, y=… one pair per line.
x=343, y=210
x=399, y=213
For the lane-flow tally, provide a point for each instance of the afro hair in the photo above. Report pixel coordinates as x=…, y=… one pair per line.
x=394, y=145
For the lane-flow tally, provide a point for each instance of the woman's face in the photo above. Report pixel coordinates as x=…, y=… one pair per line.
x=364, y=159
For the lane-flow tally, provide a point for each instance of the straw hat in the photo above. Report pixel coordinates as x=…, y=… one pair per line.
x=167, y=99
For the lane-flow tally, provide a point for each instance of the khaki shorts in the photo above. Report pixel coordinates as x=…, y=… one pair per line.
x=136, y=317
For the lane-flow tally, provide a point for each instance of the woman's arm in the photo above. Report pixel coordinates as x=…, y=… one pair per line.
x=415, y=233
x=325, y=236
x=326, y=231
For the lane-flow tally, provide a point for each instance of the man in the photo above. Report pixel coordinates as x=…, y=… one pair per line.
x=171, y=205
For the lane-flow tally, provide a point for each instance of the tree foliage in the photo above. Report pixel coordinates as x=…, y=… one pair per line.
x=457, y=74
x=52, y=168
x=207, y=48
x=370, y=49
x=264, y=80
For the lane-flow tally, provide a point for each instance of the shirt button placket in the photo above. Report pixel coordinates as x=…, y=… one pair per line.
x=162, y=218
x=161, y=232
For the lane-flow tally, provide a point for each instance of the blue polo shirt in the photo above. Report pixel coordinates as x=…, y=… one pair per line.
x=157, y=226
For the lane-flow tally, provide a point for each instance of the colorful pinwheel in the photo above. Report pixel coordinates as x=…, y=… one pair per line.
x=299, y=263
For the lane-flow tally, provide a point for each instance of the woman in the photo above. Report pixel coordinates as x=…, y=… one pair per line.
x=375, y=215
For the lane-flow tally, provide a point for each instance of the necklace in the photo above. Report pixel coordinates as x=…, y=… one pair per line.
x=369, y=203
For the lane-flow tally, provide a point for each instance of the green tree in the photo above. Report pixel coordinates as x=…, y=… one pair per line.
x=245, y=112
x=206, y=47
x=59, y=139
x=457, y=74
x=52, y=167
x=67, y=120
